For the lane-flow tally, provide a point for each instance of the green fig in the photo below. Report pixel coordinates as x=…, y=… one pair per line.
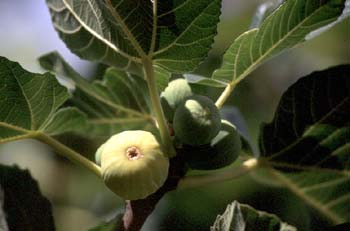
x=173, y=95
x=197, y=120
x=223, y=150
x=133, y=165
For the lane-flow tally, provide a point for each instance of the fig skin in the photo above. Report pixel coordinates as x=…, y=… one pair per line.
x=173, y=95
x=222, y=151
x=197, y=120
x=98, y=154
x=133, y=165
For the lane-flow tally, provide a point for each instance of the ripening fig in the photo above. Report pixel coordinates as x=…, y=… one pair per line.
x=223, y=150
x=173, y=95
x=197, y=120
x=133, y=165
x=98, y=154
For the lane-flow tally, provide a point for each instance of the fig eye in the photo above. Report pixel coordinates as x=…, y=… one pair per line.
x=133, y=153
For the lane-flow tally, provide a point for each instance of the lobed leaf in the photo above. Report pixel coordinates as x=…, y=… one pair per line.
x=308, y=141
x=176, y=34
x=29, y=104
x=119, y=102
x=287, y=27
x=240, y=217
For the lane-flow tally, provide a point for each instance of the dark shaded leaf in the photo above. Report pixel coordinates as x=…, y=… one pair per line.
x=25, y=207
x=176, y=34
x=308, y=140
x=311, y=127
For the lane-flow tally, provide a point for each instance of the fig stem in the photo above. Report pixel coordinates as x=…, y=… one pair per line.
x=157, y=108
x=70, y=154
x=224, y=95
x=227, y=174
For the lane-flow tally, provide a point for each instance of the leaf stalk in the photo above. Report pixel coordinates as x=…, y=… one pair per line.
x=70, y=154
x=157, y=108
x=228, y=174
x=224, y=95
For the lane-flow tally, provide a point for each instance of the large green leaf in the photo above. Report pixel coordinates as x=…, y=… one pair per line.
x=119, y=102
x=240, y=217
x=30, y=102
x=24, y=206
x=290, y=25
x=177, y=34
x=309, y=141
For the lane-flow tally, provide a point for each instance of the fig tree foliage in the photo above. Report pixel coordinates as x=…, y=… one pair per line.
x=155, y=124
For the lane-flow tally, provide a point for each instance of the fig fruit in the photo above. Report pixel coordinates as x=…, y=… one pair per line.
x=223, y=150
x=98, y=154
x=173, y=95
x=133, y=165
x=197, y=120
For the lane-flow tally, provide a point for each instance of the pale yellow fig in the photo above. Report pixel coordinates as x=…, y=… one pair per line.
x=98, y=154
x=133, y=165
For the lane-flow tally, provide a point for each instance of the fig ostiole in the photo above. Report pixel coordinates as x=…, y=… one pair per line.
x=222, y=151
x=173, y=95
x=133, y=165
x=197, y=120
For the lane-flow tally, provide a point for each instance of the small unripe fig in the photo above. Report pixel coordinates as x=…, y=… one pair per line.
x=133, y=165
x=197, y=120
x=223, y=150
x=173, y=95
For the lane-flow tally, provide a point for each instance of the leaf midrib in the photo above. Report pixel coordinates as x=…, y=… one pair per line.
x=90, y=30
x=126, y=30
x=314, y=203
x=257, y=62
x=276, y=154
x=14, y=127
